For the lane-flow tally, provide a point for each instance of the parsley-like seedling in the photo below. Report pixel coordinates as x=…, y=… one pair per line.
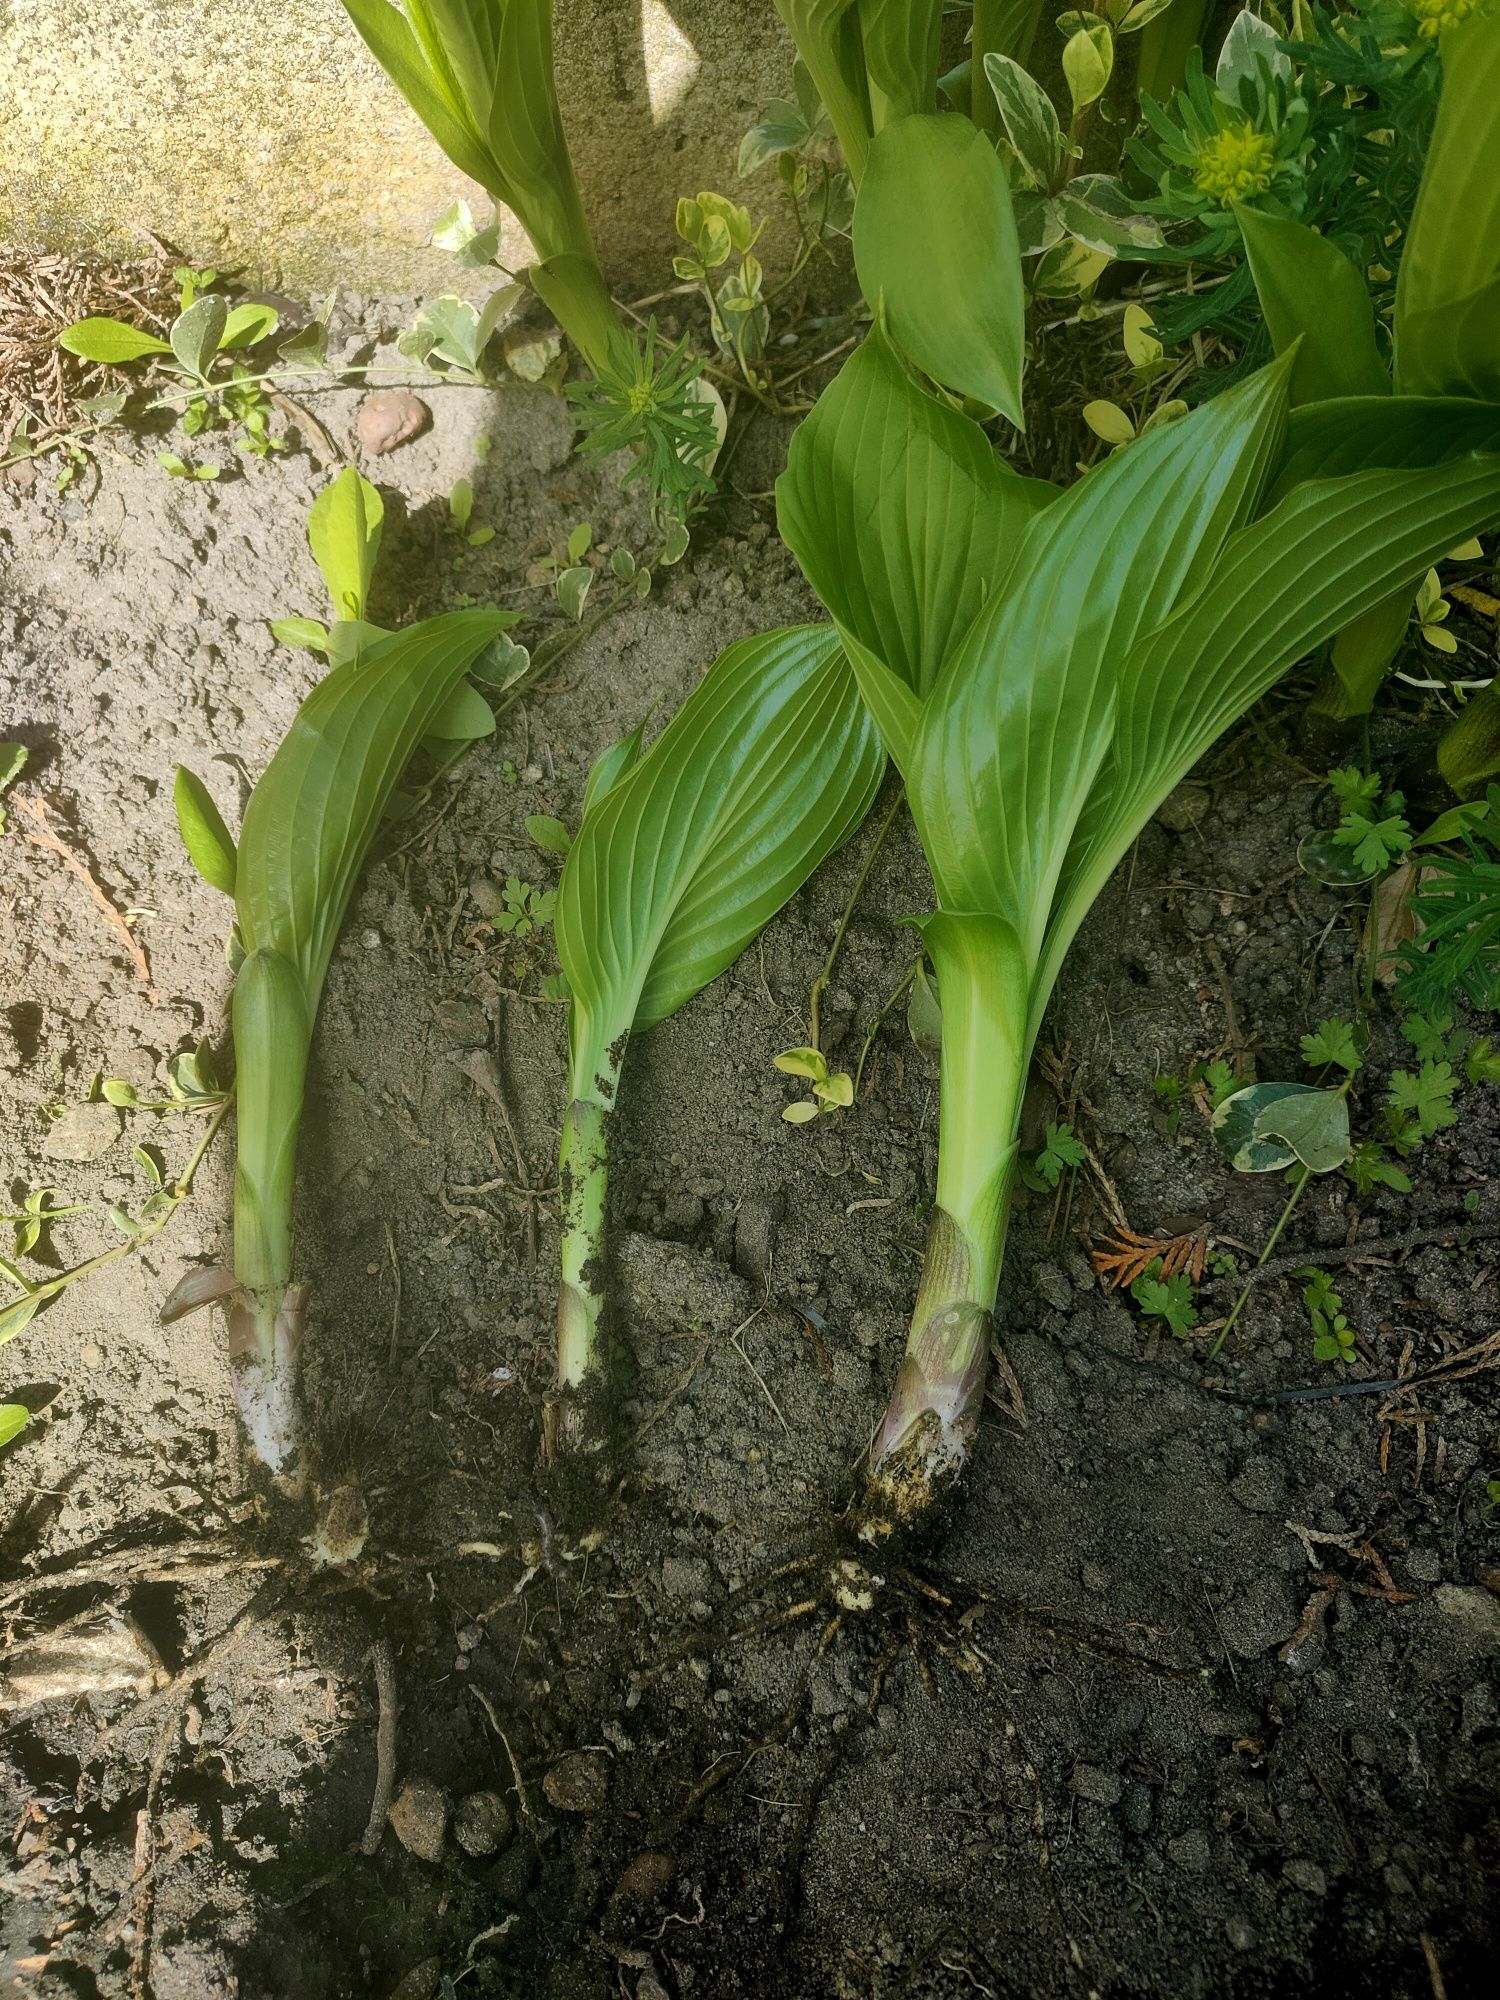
x=1333, y=1337
x=1332, y=1042
x=1170, y=1299
x=1061, y=1151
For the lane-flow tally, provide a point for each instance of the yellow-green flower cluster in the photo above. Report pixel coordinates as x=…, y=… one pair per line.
x=1433, y=16
x=1236, y=163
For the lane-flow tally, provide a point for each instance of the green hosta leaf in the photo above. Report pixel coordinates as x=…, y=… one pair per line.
x=465, y=717
x=14, y=1417
x=1028, y=117
x=1309, y=291
x=900, y=512
x=430, y=87
x=900, y=43
x=1329, y=551
x=344, y=531
x=1315, y=1124
x=18, y=1314
x=1017, y=730
x=611, y=765
x=312, y=817
x=767, y=766
x=1446, y=302
x=197, y=333
x=1236, y=1127
x=109, y=340
x=208, y=841
x=935, y=248
x=1454, y=350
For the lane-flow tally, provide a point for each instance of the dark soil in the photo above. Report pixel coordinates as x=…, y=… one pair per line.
x=1199, y=1693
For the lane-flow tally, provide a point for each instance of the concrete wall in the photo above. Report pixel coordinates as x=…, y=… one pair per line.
x=261, y=133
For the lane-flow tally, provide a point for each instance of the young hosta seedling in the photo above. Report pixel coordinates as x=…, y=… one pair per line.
x=309, y=825
x=682, y=857
x=832, y=1090
x=1044, y=668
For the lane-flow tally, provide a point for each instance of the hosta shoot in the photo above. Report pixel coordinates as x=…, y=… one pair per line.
x=309, y=825
x=479, y=75
x=685, y=853
x=1044, y=668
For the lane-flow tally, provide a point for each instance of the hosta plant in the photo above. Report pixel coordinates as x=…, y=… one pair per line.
x=1044, y=668
x=308, y=827
x=685, y=853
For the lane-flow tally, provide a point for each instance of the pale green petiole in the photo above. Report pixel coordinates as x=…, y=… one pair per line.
x=927, y=1431
x=272, y=1034
x=583, y=1178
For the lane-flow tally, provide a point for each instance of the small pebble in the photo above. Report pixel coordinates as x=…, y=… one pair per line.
x=84, y=1133
x=419, y=1818
x=1306, y=1876
x=389, y=418
x=370, y=940
x=578, y=1783
x=1190, y=1850
x=1102, y=1787
x=482, y=1823
x=647, y=1877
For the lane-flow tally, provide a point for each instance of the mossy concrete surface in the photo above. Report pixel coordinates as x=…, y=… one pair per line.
x=268, y=138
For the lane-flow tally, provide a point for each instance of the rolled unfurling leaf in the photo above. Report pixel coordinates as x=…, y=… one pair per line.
x=684, y=855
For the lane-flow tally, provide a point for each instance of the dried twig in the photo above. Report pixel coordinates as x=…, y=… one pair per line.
x=385, y=1745
x=35, y=810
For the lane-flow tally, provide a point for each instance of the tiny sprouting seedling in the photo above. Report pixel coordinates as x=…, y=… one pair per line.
x=1372, y=823
x=1492, y=1493
x=832, y=1090
x=1213, y=1081
x=1167, y=1090
x=1333, y=1337
x=524, y=909
x=12, y=763
x=1430, y=612
x=548, y=832
x=461, y=519
x=570, y=575
x=1061, y=1151
x=683, y=855
x=1168, y=1298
